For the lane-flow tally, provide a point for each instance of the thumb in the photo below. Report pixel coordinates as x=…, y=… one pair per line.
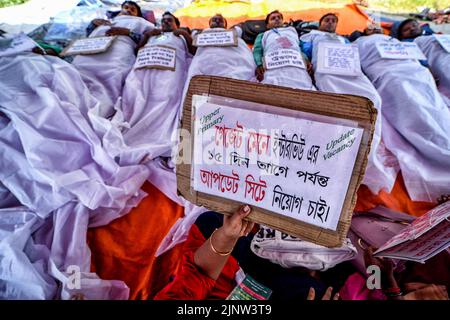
x=241, y=213
x=245, y=211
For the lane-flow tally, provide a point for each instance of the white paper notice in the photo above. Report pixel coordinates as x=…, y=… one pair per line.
x=19, y=43
x=284, y=58
x=444, y=41
x=295, y=167
x=400, y=50
x=225, y=38
x=420, y=226
x=89, y=46
x=340, y=59
x=156, y=57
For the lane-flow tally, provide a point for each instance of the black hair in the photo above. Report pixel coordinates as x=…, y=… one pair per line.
x=401, y=26
x=177, y=21
x=268, y=16
x=326, y=15
x=219, y=14
x=139, y=11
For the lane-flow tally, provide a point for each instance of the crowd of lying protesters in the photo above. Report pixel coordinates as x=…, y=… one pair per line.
x=136, y=112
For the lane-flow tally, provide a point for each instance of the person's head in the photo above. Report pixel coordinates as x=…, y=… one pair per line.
x=274, y=19
x=169, y=22
x=409, y=28
x=373, y=29
x=218, y=21
x=130, y=8
x=328, y=22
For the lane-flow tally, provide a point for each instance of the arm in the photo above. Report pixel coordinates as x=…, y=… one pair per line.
x=306, y=48
x=213, y=254
x=258, y=53
x=187, y=37
x=94, y=24
x=189, y=282
x=147, y=35
x=388, y=282
x=201, y=266
x=306, y=52
x=118, y=31
x=44, y=48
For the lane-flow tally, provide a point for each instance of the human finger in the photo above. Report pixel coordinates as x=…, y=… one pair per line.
x=311, y=294
x=327, y=295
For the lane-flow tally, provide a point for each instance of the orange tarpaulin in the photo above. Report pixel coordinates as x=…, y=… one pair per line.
x=197, y=15
x=124, y=249
x=397, y=200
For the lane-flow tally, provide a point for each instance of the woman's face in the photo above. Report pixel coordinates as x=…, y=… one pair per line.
x=129, y=10
x=275, y=20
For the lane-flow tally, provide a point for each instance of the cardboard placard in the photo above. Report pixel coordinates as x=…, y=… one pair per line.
x=400, y=50
x=339, y=59
x=278, y=163
x=283, y=58
x=282, y=199
x=92, y=45
x=444, y=41
x=212, y=38
x=156, y=57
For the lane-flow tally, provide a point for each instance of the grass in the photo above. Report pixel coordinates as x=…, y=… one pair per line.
x=407, y=6
x=7, y=3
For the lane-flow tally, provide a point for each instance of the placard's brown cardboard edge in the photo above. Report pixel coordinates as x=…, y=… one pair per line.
x=156, y=68
x=354, y=108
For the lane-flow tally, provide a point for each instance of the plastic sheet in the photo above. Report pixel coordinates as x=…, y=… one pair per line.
x=72, y=24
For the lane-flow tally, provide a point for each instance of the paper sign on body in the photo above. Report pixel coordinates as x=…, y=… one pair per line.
x=156, y=57
x=340, y=59
x=400, y=50
x=283, y=58
x=88, y=46
x=19, y=43
x=295, y=167
x=223, y=38
x=444, y=41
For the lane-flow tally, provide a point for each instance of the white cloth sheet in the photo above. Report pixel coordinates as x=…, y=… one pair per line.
x=415, y=120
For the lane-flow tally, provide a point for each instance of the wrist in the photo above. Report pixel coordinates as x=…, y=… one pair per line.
x=393, y=292
x=223, y=242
